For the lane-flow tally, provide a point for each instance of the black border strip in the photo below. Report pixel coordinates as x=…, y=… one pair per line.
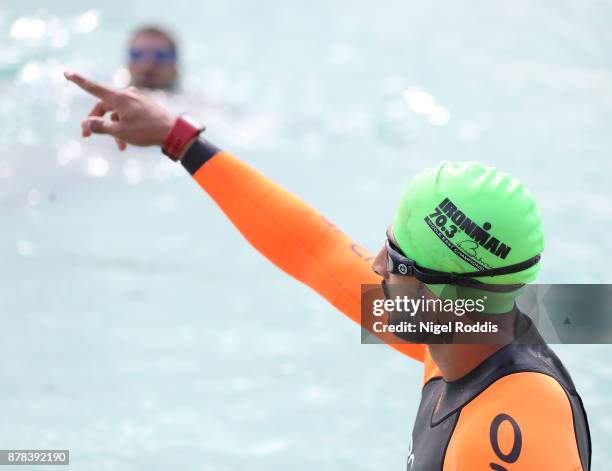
x=200, y=152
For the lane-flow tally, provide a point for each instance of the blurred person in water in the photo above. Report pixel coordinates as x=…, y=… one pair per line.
x=152, y=59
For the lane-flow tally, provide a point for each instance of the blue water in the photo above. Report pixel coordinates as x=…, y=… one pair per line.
x=141, y=332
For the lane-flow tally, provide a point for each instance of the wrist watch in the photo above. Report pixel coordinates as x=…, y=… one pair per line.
x=180, y=134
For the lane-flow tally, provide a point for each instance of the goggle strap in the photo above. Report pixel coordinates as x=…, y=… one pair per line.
x=410, y=268
x=505, y=270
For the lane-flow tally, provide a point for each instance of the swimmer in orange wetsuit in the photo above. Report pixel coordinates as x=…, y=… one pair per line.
x=509, y=406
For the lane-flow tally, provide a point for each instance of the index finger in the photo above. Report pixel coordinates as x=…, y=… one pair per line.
x=104, y=93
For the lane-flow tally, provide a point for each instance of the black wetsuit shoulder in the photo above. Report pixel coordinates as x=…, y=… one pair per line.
x=442, y=402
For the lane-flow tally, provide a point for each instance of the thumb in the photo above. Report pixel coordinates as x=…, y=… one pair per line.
x=98, y=125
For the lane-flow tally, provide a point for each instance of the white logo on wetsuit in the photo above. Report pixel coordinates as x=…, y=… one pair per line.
x=410, y=456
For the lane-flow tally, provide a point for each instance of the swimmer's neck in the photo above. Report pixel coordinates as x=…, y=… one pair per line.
x=457, y=360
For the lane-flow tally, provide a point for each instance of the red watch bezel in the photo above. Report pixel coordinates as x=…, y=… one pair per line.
x=182, y=131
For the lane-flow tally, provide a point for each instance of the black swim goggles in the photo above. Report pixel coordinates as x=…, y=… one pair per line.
x=399, y=264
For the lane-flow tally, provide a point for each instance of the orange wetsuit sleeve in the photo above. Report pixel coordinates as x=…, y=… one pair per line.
x=522, y=422
x=287, y=231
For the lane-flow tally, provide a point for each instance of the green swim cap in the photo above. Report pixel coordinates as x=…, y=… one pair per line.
x=465, y=216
